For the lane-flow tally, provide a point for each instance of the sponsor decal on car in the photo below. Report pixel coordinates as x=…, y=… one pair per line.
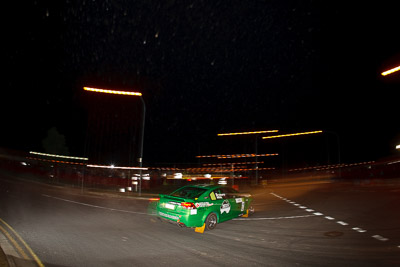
x=225, y=207
x=212, y=196
x=193, y=212
x=239, y=200
x=203, y=204
x=219, y=196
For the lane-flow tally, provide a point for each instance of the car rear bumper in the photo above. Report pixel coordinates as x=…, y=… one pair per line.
x=189, y=220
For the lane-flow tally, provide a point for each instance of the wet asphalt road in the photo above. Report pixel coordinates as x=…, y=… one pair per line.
x=330, y=224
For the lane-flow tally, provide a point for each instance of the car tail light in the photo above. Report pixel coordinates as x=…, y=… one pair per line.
x=188, y=205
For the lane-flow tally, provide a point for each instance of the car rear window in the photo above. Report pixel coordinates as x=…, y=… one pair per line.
x=189, y=192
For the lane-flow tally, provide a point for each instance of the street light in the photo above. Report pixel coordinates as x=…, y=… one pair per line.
x=115, y=92
x=256, y=144
x=128, y=93
x=390, y=71
x=56, y=156
x=242, y=133
x=338, y=145
x=292, y=134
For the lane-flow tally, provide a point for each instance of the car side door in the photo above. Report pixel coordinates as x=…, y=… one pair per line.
x=235, y=201
x=221, y=205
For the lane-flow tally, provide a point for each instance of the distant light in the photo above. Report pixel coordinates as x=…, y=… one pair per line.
x=222, y=169
x=56, y=156
x=178, y=175
x=222, y=181
x=114, y=167
x=233, y=163
x=57, y=161
x=398, y=147
x=293, y=134
x=232, y=156
x=256, y=132
x=390, y=71
x=115, y=92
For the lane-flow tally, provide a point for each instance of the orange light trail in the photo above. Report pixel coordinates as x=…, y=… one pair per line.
x=237, y=156
x=115, y=92
x=233, y=163
x=115, y=167
x=293, y=134
x=226, y=169
x=327, y=167
x=241, y=133
x=56, y=156
x=57, y=161
x=390, y=71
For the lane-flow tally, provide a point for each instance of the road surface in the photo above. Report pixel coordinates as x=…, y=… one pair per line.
x=327, y=224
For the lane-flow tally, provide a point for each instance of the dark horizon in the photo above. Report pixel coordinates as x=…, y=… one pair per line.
x=203, y=69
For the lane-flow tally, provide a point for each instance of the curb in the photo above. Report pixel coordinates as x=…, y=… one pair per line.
x=6, y=250
x=11, y=257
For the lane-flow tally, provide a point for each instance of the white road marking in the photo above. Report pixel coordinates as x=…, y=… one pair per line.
x=272, y=218
x=380, y=238
x=94, y=206
x=359, y=229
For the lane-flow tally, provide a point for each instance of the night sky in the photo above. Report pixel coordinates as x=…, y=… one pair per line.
x=204, y=67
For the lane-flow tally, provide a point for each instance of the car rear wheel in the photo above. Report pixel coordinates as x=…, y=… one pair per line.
x=211, y=221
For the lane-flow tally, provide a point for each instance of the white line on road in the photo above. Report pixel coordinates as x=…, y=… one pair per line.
x=272, y=218
x=93, y=206
x=359, y=229
x=380, y=238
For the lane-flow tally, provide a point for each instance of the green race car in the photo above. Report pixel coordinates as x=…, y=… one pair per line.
x=203, y=206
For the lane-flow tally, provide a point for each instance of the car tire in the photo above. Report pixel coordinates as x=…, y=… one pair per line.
x=211, y=221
